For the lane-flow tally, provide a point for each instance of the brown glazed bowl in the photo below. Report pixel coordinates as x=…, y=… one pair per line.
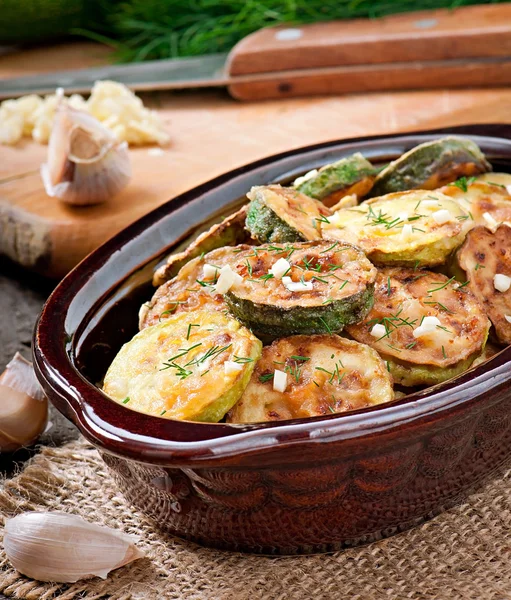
x=309, y=485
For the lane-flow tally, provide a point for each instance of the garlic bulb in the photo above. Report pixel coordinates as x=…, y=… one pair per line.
x=86, y=164
x=64, y=548
x=23, y=405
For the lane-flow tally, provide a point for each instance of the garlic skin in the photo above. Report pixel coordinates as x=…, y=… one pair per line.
x=23, y=405
x=86, y=164
x=63, y=548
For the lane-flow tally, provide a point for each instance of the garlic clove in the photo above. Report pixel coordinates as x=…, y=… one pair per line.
x=53, y=546
x=86, y=164
x=23, y=405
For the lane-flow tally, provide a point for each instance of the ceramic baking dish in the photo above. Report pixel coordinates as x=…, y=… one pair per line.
x=299, y=486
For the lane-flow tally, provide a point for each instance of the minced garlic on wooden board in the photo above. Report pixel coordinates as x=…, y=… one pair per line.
x=112, y=103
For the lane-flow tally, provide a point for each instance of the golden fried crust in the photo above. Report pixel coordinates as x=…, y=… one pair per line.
x=325, y=374
x=401, y=228
x=177, y=369
x=482, y=256
x=402, y=298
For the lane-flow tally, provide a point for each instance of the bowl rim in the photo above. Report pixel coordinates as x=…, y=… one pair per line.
x=121, y=431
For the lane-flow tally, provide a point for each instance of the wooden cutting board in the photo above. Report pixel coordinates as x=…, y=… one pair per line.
x=211, y=133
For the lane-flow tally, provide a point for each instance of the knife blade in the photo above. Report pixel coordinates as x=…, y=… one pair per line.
x=166, y=74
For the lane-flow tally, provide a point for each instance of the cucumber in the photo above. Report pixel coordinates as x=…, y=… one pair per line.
x=403, y=298
x=482, y=256
x=401, y=228
x=183, y=367
x=325, y=374
x=277, y=214
x=230, y=232
x=351, y=175
x=339, y=275
x=190, y=290
x=431, y=165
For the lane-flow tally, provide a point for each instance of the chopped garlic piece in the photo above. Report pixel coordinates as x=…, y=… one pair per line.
x=232, y=367
x=297, y=286
x=333, y=221
x=429, y=203
x=403, y=216
x=378, y=330
x=428, y=325
x=508, y=189
x=508, y=318
x=209, y=272
x=226, y=280
x=441, y=216
x=491, y=223
x=309, y=175
x=407, y=230
x=501, y=282
x=279, y=381
x=112, y=103
x=281, y=267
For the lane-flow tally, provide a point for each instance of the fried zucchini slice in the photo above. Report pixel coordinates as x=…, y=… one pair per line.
x=488, y=204
x=394, y=327
x=230, y=232
x=498, y=179
x=416, y=228
x=431, y=165
x=278, y=214
x=324, y=287
x=190, y=289
x=482, y=256
x=193, y=366
x=351, y=175
x=324, y=374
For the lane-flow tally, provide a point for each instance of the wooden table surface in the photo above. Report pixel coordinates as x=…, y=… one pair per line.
x=231, y=134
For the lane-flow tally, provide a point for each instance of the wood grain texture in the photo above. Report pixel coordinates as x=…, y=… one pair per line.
x=468, y=32
x=211, y=133
x=463, y=73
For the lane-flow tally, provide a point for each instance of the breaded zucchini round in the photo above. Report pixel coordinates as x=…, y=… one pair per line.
x=193, y=366
x=309, y=287
x=351, y=175
x=416, y=228
x=431, y=165
x=424, y=325
x=229, y=232
x=278, y=214
x=484, y=255
x=487, y=204
x=190, y=289
x=319, y=375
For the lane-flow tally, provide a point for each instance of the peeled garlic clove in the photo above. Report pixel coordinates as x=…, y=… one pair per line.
x=65, y=548
x=86, y=164
x=23, y=405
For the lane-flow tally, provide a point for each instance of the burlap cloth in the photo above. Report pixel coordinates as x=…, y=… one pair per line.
x=463, y=554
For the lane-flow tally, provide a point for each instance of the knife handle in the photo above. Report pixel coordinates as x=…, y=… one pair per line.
x=425, y=37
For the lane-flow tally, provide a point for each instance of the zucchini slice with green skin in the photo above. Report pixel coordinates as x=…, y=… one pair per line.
x=325, y=374
x=278, y=214
x=193, y=366
x=351, y=175
x=230, y=232
x=431, y=165
x=415, y=228
x=403, y=298
x=488, y=204
x=190, y=289
x=482, y=256
x=339, y=276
